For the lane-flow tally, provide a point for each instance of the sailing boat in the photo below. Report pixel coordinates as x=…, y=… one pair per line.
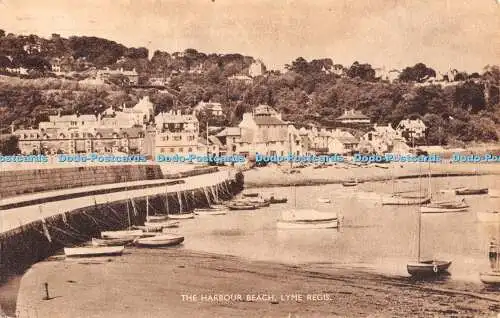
x=156, y=223
x=428, y=267
x=442, y=206
x=124, y=233
x=473, y=191
x=402, y=199
x=180, y=216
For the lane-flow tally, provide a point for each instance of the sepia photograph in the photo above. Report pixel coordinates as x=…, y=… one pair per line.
x=249, y=158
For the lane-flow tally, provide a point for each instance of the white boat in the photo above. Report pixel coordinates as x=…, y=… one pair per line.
x=323, y=200
x=491, y=216
x=400, y=200
x=444, y=207
x=153, y=218
x=281, y=224
x=182, y=216
x=307, y=219
x=121, y=234
x=202, y=212
x=93, y=251
x=160, y=240
x=452, y=190
x=494, y=193
x=112, y=242
x=159, y=225
x=490, y=278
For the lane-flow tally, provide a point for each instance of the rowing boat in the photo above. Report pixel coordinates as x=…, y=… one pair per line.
x=241, y=206
x=154, y=218
x=93, y=251
x=182, y=216
x=428, y=268
x=472, y=191
x=121, y=234
x=445, y=206
x=490, y=278
x=112, y=242
x=160, y=240
x=209, y=211
x=400, y=200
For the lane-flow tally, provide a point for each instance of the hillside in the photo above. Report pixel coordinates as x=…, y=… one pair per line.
x=462, y=109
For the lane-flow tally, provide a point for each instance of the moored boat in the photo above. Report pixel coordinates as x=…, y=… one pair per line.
x=490, y=278
x=159, y=225
x=241, y=206
x=452, y=190
x=472, y=191
x=400, y=200
x=445, y=206
x=93, y=251
x=251, y=194
x=491, y=216
x=153, y=218
x=209, y=211
x=112, y=242
x=350, y=183
x=160, y=240
x=274, y=200
x=494, y=193
x=428, y=268
x=182, y=216
x=121, y=234
x=281, y=224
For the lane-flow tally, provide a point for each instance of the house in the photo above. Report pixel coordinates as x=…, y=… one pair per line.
x=411, y=129
x=333, y=142
x=105, y=74
x=212, y=108
x=266, y=131
x=382, y=138
x=241, y=79
x=74, y=121
x=353, y=117
x=176, y=133
x=230, y=138
x=257, y=68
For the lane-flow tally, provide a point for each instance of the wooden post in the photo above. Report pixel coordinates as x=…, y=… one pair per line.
x=47, y=297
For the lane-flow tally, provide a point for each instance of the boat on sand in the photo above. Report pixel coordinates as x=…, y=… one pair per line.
x=210, y=211
x=241, y=206
x=111, y=242
x=323, y=200
x=445, y=206
x=490, y=278
x=182, y=216
x=307, y=219
x=93, y=251
x=428, y=268
x=121, y=234
x=472, y=191
x=160, y=240
x=402, y=200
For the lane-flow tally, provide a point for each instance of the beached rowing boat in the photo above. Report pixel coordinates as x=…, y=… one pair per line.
x=182, y=216
x=445, y=206
x=274, y=200
x=155, y=218
x=280, y=224
x=241, y=206
x=400, y=200
x=203, y=212
x=472, y=191
x=121, y=234
x=93, y=251
x=428, y=268
x=112, y=242
x=490, y=278
x=160, y=240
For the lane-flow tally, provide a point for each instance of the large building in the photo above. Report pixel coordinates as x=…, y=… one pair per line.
x=176, y=133
x=353, y=117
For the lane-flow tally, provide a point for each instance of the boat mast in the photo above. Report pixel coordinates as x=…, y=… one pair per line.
x=147, y=207
x=166, y=198
x=128, y=215
x=290, y=147
x=430, y=184
x=419, y=212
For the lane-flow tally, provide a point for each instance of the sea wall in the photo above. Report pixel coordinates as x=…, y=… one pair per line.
x=17, y=182
x=30, y=243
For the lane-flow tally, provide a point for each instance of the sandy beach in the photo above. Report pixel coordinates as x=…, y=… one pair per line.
x=275, y=175
x=178, y=283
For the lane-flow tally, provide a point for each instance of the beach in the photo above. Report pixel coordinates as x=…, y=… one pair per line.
x=279, y=175
x=180, y=283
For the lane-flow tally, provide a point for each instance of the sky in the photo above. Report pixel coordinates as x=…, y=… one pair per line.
x=443, y=34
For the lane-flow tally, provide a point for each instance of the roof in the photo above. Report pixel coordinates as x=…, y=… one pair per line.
x=230, y=131
x=105, y=132
x=348, y=140
x=268, y=120
x=133, y=132
x=214, y=140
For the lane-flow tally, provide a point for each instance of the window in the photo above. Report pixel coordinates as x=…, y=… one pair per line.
x=162, y=150
x=181, y=149
x=177, y=138
x=172, y=150
x=190, y=149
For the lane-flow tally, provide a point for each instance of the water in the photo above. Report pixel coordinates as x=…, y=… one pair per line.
x=381, y=238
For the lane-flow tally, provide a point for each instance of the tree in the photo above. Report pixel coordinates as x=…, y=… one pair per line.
x=9, y=146
x=363, y=71
x=470, y=96
x=418, y=73
x=2, y=33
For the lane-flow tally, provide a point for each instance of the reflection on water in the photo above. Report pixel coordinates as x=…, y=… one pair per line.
x=381, y=237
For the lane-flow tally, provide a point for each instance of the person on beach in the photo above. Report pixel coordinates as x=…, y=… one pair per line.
x=493, y=253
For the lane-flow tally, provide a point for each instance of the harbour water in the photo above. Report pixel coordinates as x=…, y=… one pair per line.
x=375, y=237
